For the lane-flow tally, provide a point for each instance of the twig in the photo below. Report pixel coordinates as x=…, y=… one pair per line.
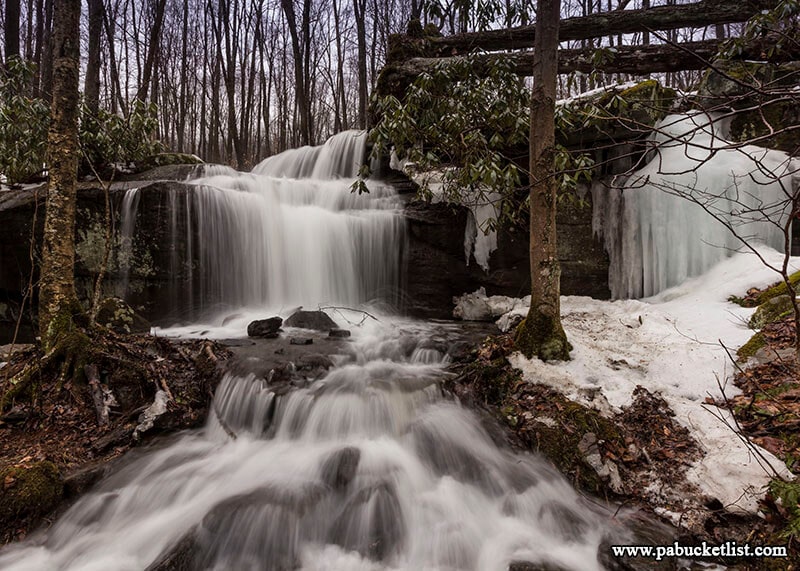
x=337, y=309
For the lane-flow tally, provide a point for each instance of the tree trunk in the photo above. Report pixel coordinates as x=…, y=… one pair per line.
x=540, y=334
x=91, y=89
x=300, y=69
x=153, y=48
x=359, y=9
x=58, y=304
x=12, y=29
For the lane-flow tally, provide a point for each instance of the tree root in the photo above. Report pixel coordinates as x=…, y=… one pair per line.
x=74, y=349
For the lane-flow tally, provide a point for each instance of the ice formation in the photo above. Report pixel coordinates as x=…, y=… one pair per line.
x=672, y=219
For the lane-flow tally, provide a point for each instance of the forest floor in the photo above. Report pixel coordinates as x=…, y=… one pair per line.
x=53, y=444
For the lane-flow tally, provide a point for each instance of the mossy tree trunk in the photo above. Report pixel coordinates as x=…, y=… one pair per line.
x=58, y=303
x=541, y=334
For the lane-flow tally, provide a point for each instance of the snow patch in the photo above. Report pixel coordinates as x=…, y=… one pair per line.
x=671, y=345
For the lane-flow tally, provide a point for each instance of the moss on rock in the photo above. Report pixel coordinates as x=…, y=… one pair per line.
x=771, y=310
x=750, y=348
x=30, y=490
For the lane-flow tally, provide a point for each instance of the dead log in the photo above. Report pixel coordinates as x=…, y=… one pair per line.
x=708, y=12
x=102, y=397
x=635, y=60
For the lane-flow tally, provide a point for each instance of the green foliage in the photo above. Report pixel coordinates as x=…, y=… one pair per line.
x=789, y=495
x=23, y=124
x=460, y=124
x=779, y=26
x=108, y=138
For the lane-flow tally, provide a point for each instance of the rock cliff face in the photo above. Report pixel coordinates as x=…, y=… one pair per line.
x=436, y=268
x=159, y=274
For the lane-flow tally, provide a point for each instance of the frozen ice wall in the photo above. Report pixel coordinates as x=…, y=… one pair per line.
x=682, y=212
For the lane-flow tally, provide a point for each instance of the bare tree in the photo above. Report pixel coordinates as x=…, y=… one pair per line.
x=58, y=303
x=541, y=334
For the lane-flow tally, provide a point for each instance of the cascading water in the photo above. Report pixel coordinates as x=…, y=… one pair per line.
x=365, y=467
x=368, y=468
x=290, y=233
x=657, y=224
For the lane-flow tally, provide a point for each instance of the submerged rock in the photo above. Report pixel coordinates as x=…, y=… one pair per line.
x=339, y=469
x=316, y=320
x=339, y=333
x=265, y=328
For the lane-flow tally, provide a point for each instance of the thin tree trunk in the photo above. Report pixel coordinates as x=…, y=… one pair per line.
x=58, y=303
x=541, y=334
x=152, y=51
x=12, y=29
x=359, y=9
x=91, y=89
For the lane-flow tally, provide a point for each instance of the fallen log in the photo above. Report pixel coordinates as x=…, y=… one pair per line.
x=705, y=13
x=634, y=60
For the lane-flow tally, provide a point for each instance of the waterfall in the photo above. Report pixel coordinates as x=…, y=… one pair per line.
x=366, y=465
x=657, y=223
x=289, y=233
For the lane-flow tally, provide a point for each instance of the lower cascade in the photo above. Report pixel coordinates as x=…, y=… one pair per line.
x=365, y=466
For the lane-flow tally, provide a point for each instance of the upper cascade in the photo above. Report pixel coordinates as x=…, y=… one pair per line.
x=340, y=157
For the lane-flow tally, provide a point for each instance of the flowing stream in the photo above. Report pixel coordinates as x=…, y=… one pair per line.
x=368, y=466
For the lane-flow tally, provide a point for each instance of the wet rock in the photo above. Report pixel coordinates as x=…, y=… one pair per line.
x=527, y=566
x=265, y=328
x=339, y=469
x=178, y=557
x=262, y=526
x=339, y=333
x=314, y=361
x=79, y=481
x=565, y=522
x=120, y=317
x=371, y=523
x=316, y=320
x=301, y=341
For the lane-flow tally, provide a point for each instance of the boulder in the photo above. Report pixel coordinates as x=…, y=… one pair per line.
x=117, y=315
x=265, y=328
x=339, y=333
x=339, y=469
x=316, y=320
x=29, y=491
x=771, y=310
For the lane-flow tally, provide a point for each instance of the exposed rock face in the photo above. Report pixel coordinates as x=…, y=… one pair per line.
x=436, y=270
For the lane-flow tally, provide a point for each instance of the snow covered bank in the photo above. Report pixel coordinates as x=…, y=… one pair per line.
x=669, y=344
